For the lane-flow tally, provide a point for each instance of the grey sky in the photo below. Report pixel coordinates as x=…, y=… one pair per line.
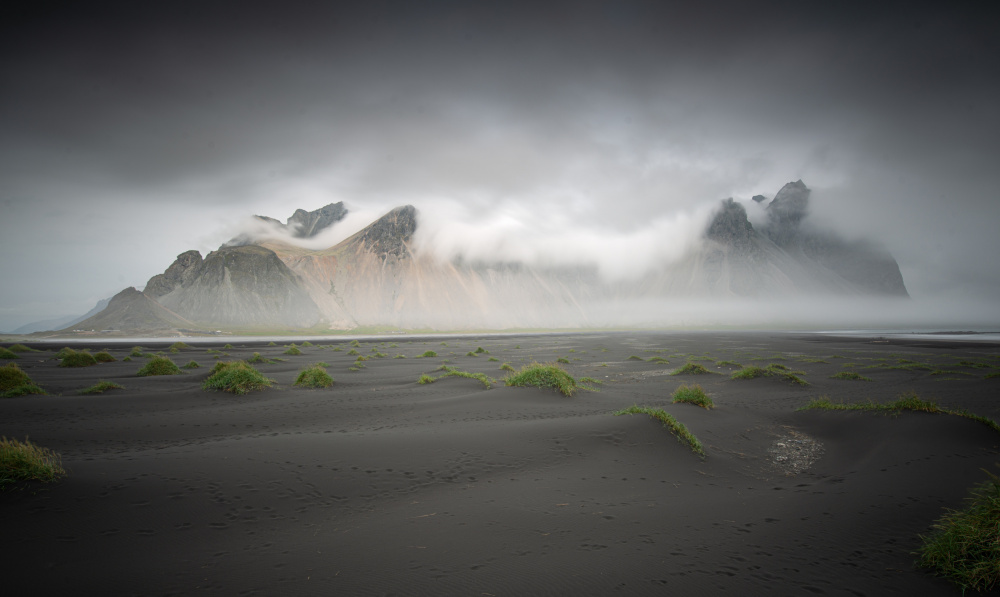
x=128, y=135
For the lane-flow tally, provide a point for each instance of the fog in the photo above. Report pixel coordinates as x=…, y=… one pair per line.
x=562, y=133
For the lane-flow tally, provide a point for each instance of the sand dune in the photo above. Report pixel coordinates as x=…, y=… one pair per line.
x=379, y=485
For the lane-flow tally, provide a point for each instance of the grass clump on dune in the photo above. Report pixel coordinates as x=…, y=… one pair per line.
x=25, y=461
x=192, y=364
x=677, y=428
x=506, y=367
x=690, y=368
x=314, y=377
x=729, y=364
x=453, y=372
x=907, y=401
x=179, y=346
x=77, y=359
x=850, y=375
x=104, y=357
x=8, y=354
x=964, y=545
x=693, y=395
x=236, y=377
x=425, y=379
x=543, y=376
x=428, y=354
x=634, y=358
x=137, y=351
x=293, y=350
x=159, y=366
x=102, y=386
x=21, y=348
x=481, y=350
x=772, y=370
x=15, y=382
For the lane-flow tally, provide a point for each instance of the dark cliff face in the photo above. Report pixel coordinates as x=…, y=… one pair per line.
x=180, y=272
x=388, y=235
x=731, y=227
x=307, y=224
x=786, y=212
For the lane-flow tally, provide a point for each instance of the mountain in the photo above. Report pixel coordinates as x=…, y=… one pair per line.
x=246, y=286
x=133, y=311
x=301, y=224
x=377, y=278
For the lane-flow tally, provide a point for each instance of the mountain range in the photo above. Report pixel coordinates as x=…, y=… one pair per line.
x=377, y=278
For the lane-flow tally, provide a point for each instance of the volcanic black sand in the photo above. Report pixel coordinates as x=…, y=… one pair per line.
x=381, y=486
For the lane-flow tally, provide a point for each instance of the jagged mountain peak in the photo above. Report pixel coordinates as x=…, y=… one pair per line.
x=307, y=224
x=389, y=234
x=730, y=226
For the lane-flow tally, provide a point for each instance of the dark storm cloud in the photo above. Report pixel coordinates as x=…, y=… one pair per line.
x=611, y=114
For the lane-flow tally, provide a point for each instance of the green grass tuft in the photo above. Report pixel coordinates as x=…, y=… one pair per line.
x=353, y=352
x=355, y=343
x=137, y=351
x=78, y=359
x=293, y=350
x=481, y=350
x=635, y=358
x=772, y=370
x=660, y=360
x=425, y=379
x=102, y=386
x=506, y=367
x=677, y=428
x=159, y=366
x=729, y=364
x=543, y=376
x=21, y=348
x=964, y=545
x=191, y=365
x=562, y=360
x=452, y=372
x=307, y=344
x=314, y=377
x=178, y=346
x=428, y=354
x=850, y=375
x=25, y=461
x=236, y=377
x=104, y=357
x=691, y=369
x=8, y=354
x=15, y=382
x=227, y=347
x=694, y=395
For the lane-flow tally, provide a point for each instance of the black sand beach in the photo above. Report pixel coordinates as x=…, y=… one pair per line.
x=381, y=486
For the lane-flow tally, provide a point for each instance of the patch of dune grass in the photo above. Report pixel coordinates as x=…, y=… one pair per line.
x=562, y=360
x=236, y=377
x=8, y=354
x=812, y=360
x=293, y=350
x=453, y=372
x=590, y=380
x=694, y=394
x=506, y=367
x=137, y=351
x=481, y=350
x=543, y=376
x=678, y=429
x=993, y=375
x=772, y=370
x=227, y=347
x=425, y=379
x=399, y=356
x=729, y=364
x=80, y=358
x=314, y=376
x=179, y=346
x=25, y=461
x=102, y=386
x=104, y=357
x=159, y=366
x=905, y=401
x=660, y=360
x=21, y=348
x=307, y=344
x=15, y=382
x=353, y=352
x=850, y=375
x=635, y=358
x=427, y=355
x=690, y=368
x=355, y=343
x=192, y=364
x=964, y=545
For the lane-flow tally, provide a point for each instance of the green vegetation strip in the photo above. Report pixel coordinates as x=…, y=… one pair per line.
x=772, y=370
x=907, y=401
x=676, y=427
x=25, y=461
x=964, y=545
x=102, y=386
x=850, y=375
x=690, y=368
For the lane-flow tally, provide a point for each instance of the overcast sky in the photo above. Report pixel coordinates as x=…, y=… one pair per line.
x=132, y=132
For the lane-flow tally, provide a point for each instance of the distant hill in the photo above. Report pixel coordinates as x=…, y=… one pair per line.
x=375, y=277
